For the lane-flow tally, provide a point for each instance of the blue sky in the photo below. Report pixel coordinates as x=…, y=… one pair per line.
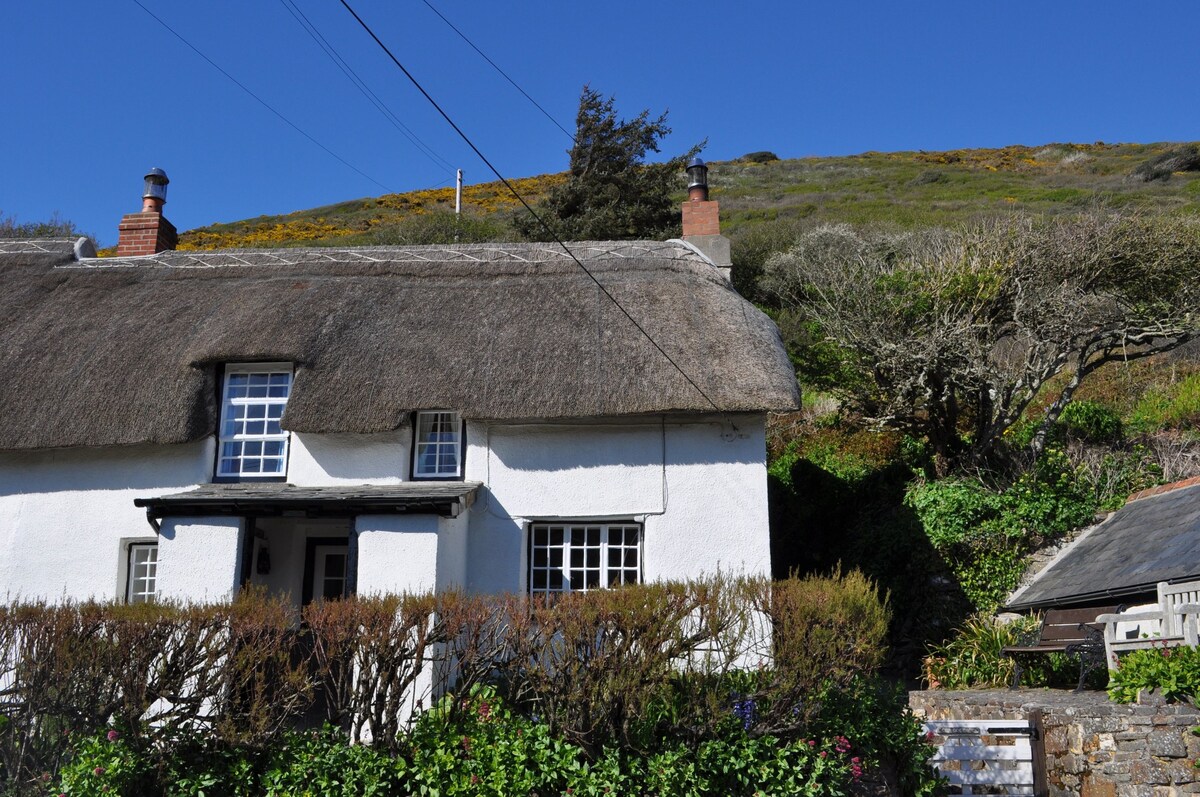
x=98, y=92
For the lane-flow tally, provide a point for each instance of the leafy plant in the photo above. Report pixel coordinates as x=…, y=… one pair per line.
x=972, y=658
x=1091, y=422
x=1174, y=673
x=324, y=763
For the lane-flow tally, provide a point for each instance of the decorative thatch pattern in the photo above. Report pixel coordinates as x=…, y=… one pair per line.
x=120, y=351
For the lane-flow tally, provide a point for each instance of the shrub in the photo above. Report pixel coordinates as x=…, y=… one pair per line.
x=984, y=535
x=973, y=658
x=324, y=763
x=1172, y=672
x=762, y=156
x=873, y=715
x=225, y=668
x=476, y=745
x=203, y=696
x=1185, y=158
x=1176, y=406
x=1091, y=422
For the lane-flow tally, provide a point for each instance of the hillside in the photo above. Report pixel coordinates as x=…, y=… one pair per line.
x=904, y=188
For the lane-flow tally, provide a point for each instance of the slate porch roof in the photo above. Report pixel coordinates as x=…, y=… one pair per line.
x=1151, y=539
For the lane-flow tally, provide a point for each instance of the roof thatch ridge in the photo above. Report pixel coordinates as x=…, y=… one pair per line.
x=29, y=246
x=532, y=252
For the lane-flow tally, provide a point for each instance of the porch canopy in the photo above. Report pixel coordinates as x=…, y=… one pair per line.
x=446, y=499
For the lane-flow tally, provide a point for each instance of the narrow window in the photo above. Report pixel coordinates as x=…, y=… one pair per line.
x=577, y=557
x=437, y=446
x=252, y=444
x=142, y=580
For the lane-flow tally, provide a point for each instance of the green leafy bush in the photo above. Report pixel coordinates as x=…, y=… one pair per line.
x=874, y=716
x=325, y=763
x=1174, y=673
x=984, y=535
x=1091, y=422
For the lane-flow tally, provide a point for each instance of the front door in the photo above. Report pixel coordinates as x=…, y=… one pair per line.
x=325, y=569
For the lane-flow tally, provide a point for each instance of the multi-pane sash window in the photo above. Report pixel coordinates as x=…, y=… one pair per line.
x=252, y=444
x=142, y=580
x=577, y=557
x=437, y=449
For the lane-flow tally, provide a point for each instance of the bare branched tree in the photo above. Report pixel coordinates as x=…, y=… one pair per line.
x=954, y=332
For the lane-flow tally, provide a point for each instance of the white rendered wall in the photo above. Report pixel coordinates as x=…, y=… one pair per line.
x=699, y=487
x=397, y=553
x=329, y=459
x=200, y=559
x=700, y=490
x=67, y=514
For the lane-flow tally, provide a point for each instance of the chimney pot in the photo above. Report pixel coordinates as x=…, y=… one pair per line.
x=155, y=194
x=697, y=180
x=148, y=232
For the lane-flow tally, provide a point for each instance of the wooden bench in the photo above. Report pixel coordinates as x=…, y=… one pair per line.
x=1074, y=632
x=1171, y=623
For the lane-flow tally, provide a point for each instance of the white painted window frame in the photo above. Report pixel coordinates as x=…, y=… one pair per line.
x=230, y=404
x=567, y=548
x=443, y=420
x=141, y=586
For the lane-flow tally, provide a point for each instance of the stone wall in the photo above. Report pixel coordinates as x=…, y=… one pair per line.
x=1094, y=748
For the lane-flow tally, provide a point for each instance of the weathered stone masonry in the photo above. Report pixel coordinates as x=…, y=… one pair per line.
x=1094, y=748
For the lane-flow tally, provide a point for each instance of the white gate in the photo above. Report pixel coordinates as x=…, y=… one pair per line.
x=990, y=756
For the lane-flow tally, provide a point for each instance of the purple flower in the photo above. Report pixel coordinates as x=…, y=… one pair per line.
x=746, y=711
x=98, y=771
x=113, y=736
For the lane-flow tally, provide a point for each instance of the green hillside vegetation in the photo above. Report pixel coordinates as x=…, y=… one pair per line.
x=946, y=542
x=907, y=189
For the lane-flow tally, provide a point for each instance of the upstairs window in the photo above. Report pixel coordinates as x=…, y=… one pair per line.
x=252, y=445
x=141, y=581
x=578, y=557
x=437, y=446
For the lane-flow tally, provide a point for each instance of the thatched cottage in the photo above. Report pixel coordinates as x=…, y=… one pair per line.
x=324, y=422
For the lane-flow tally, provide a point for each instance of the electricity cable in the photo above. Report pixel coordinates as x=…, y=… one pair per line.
x=331, y=52
x=504, y=74
x=259, y=99
x=532, y=212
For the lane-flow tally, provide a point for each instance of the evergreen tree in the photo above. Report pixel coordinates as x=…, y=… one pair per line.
x=611, y=193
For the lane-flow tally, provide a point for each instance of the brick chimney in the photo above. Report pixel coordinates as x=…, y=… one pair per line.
x=148, y=232
x=701, y=218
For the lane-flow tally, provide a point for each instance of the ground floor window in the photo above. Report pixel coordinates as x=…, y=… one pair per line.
x=142, y=579
x=577, y=557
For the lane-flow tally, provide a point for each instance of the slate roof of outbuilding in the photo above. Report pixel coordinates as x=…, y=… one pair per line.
x=1150, y=539
x=114, y=351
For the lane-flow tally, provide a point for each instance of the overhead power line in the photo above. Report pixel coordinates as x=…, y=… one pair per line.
x=532, y=212
x=315, y=34
x=504, y=74
x=259, y=99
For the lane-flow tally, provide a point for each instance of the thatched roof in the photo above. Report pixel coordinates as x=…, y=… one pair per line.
x=118, y=351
